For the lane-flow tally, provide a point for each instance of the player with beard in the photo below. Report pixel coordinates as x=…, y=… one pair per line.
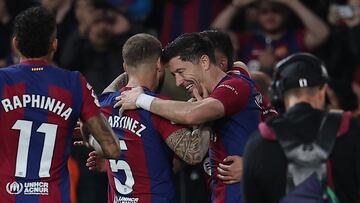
x=143, y=173
x=231, y=105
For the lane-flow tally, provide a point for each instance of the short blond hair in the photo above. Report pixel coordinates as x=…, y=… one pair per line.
x=141, y=49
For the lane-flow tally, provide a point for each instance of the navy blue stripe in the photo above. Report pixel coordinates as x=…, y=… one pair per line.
x=205, y=16
x=177, y=25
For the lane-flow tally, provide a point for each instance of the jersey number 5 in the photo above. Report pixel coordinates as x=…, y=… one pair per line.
x=117, y=165
x=23, y=147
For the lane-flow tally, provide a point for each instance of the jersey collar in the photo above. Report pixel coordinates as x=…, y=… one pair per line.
x=34, y=62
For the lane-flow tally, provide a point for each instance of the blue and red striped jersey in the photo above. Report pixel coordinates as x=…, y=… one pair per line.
x=190, y=16
x=252, y=45
x=239, y=97
x=40, y=105
x=143, y=172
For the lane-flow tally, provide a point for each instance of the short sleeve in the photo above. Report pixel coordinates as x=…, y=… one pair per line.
x=166, y=127
x=90, y=105
x=233, y=94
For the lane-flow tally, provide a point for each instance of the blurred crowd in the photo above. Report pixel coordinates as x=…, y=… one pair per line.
x=262, y=32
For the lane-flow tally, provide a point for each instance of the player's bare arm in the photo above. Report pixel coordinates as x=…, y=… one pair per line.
x=101, y=130
x=190, y=146
x=189, y=113
x=117, y=84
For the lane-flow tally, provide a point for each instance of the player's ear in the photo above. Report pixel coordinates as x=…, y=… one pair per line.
x=158, y=65
x=322, y=94
x=15, y=45
x=125, y=67
x=205, y=62
x=223, y=63
x=53, y=45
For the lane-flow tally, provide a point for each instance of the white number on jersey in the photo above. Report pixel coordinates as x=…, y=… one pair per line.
x=24, y=143
x=117, y=165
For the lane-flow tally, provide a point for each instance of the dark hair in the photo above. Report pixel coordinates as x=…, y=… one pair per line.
x=300, y=70
x=221, y=42
x=189, y=47
x=34, y=29
x=140, y=49
x=343, y=91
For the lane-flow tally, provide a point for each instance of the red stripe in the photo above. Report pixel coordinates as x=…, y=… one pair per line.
x=9, y=140
x=34, y=62
x=266, y=132
x=330, y=179
x=300, y=39
x=191, y=21
x=218, y=154
x=167, y=24
x=137, y=160
x=345, y=123
x=216, y=7
x=58, y=159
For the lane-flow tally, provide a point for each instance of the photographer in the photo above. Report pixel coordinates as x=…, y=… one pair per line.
x=307, y=149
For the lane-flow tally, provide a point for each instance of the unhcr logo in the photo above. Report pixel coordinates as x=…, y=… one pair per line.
x=14, y=188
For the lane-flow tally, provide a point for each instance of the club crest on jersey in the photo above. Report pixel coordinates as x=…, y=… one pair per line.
x=14, y=188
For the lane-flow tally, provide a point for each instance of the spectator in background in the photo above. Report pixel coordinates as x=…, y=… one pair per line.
x=9, y=9
x=95, y=48
x=65, y=20
x=184, y=16
x=344, y=43
x=5, y=33
x=275, y=39
x=136, y=10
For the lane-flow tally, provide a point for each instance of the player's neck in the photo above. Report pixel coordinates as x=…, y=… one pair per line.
x=215, y=75
x=44, y=58
x=141, y=80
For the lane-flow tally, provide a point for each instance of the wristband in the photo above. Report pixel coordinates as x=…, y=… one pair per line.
x=144, y=101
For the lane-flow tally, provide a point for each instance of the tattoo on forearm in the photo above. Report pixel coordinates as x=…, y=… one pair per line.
x=120, y=83
x=189, y=146
x=117, y=84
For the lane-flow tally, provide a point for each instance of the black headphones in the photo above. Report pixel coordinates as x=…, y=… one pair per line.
x=278, y=85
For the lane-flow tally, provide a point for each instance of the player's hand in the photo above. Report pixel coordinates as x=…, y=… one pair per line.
x=82, y=131
x=231, y=173
x=127, y=99
x=200, y=96
x=95, y=162
x=267, y=59
x=77, y=132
